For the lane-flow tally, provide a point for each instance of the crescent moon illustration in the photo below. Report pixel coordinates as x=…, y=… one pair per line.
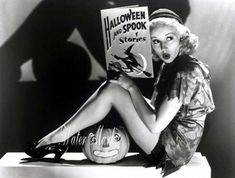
x=144, y=63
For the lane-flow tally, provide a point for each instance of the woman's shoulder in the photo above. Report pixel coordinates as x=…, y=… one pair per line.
x=194, y=67
x=192, y=81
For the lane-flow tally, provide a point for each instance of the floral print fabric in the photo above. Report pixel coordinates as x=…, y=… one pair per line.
x=181, y=139
x=189, y=80
x=192, y=87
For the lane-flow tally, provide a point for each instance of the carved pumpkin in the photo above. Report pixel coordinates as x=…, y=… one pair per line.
x=106, y=145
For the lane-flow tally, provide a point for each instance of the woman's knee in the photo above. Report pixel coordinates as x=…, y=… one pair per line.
x=112, y=89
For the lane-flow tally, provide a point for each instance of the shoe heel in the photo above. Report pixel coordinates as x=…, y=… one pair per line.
x=60, y=152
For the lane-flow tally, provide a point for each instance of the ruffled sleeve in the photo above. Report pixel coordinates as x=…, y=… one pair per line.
x=192, y=87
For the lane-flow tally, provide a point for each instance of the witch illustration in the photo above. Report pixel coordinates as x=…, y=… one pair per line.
x=131, y=62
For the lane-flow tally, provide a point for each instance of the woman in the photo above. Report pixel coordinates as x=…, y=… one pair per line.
x=182, y=98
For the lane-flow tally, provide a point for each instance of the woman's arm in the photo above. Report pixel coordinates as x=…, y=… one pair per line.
x=142, y=107
x=166, y=113
x=155, y=121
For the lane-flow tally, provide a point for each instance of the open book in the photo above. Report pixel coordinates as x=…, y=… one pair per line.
x=127, y=40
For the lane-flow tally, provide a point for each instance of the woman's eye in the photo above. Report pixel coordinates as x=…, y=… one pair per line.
x=93, y=139
x=156, y=41
x=169, y=38
x=117, y=137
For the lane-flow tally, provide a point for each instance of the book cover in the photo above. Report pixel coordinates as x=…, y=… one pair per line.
x=127, y=40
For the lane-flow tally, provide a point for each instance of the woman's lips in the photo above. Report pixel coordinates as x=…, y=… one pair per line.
x=166, y=56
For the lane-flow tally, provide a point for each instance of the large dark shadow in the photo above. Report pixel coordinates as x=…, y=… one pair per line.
x=30, y=110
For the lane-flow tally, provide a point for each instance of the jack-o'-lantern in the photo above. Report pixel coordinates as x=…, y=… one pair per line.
x=106, y=145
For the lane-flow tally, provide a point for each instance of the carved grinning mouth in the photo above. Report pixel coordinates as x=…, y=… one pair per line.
x=105, y=154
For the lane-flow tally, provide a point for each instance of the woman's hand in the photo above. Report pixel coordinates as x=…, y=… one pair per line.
x=121, y=78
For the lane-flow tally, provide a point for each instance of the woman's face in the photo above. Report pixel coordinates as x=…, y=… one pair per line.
x=165, y=43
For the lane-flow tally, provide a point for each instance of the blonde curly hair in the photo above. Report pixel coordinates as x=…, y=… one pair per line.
x=189, y=42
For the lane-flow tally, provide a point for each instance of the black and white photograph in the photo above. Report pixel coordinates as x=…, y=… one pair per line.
x=120, y=88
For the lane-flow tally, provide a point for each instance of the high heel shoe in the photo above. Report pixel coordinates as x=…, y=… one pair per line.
x=56, y=148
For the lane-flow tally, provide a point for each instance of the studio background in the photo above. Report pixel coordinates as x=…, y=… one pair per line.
x=37, y=94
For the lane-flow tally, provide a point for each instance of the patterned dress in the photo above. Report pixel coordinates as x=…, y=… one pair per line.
x=188, y=79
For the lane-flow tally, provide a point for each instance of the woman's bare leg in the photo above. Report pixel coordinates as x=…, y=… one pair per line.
x=96, y=108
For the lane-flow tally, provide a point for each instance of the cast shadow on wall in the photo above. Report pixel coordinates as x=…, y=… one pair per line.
x=62, y=68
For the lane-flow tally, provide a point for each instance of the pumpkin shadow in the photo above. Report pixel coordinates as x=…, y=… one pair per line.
x=52, y=162
x=132, y=160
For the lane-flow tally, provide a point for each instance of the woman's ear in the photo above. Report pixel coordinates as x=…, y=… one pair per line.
x=181, y=49
x=184, y=44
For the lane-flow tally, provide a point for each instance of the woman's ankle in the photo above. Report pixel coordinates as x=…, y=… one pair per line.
x=59, y=135
x=43, y=142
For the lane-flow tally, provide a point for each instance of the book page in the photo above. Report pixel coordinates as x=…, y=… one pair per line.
x=127, y=40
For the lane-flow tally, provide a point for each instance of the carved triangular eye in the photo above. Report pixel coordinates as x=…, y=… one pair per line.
x=92, y=138
x=117, y=137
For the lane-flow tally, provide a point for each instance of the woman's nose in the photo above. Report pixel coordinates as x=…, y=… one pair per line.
x=163, y=45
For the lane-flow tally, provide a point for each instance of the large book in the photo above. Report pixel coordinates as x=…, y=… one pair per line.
x=127, y=40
